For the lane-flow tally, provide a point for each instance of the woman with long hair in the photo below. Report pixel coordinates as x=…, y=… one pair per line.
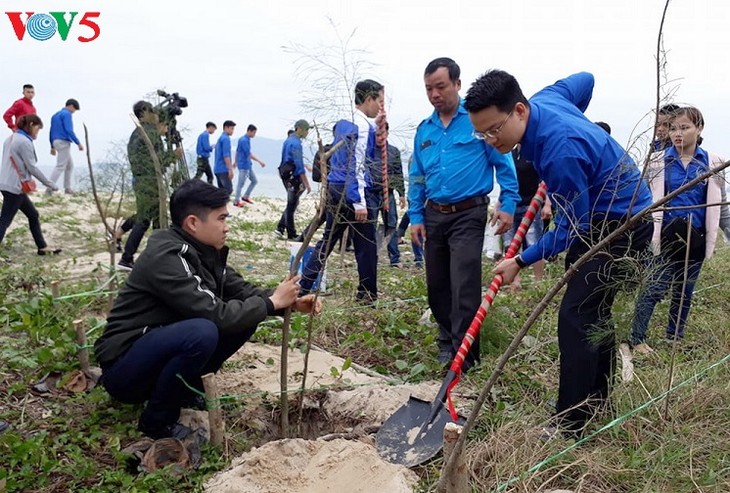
x=19, y=165
x=685, y=233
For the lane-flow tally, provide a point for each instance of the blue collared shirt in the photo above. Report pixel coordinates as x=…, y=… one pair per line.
x=222, y=150
x=451, y=165
x=203, y=149
x=292, y=151
x=62, y=127
x=586, y=171
x=243, y=153
x=677, y=174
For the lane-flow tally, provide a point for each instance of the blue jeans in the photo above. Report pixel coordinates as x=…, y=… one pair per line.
x=340, y=216
x=244, y=174
x=533, y=234
x=665, y=275
x=149, y=370
x=224, y=182
x=417, y=249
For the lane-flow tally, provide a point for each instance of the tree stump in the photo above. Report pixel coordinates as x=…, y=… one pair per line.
x=215, y=417
x=457, y=479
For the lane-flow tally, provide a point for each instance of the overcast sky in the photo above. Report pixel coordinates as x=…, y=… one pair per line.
x=227, y=58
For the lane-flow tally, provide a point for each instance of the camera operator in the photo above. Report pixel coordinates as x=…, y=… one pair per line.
x=144, y=176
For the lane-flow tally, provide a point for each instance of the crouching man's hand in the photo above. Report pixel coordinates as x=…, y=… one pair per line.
x=285, y=294
x=308, y=304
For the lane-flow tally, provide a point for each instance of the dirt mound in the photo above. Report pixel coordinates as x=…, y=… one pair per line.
x=257, y=367
x=301, y=466
x=374, y=404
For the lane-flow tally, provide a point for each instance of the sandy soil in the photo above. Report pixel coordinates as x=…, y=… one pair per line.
x=302, y=466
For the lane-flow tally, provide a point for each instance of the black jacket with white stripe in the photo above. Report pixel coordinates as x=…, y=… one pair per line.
x=177, y=278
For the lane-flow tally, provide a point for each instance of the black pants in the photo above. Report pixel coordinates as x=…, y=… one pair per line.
x=340, y=216
x=204, y=167
x=294, y=190
x=14, y=202
x=149, y=370
x=585, y=330
x=453, y=275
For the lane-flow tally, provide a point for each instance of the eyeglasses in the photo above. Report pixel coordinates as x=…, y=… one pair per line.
x=491, y=134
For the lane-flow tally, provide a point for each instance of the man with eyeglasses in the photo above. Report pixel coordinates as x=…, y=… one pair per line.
x=596, y=187
x=451, y=176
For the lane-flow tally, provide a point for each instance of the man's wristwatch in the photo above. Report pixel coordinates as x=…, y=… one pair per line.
x=521, y=263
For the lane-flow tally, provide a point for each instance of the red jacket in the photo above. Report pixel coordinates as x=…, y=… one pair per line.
x=22, y=106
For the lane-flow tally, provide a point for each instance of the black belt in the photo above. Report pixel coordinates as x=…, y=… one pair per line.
x=459, y=206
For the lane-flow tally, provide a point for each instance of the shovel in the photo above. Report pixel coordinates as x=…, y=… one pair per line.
x=414, y=433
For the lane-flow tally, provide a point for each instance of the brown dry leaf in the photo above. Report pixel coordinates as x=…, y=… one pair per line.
x=77, y=382
x=165, y=452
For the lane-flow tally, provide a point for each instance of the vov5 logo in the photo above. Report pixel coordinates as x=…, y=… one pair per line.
x=44, y=26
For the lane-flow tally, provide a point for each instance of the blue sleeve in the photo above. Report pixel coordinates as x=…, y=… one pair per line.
x=416, y=186
x=504, y=166
x=577, y=88
x=240, y=152
x=199, y=150
x=568, y=187
x=68, y=127
x=297, y=157
x=226, y=151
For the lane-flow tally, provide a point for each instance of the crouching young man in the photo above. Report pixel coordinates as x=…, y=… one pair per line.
x=183, y=312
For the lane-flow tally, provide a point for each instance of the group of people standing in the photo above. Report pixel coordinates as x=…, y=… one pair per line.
x=19, y=165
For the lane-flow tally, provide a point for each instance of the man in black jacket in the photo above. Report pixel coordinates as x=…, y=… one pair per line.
x=183, y=312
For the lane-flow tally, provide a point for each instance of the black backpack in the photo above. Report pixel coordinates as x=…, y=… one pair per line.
x=316, y=167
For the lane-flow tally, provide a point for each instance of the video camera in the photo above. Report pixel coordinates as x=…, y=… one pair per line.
x=167, y=109
x=171, y=104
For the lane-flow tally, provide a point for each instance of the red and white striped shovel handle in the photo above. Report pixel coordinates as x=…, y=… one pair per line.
x=532, y=211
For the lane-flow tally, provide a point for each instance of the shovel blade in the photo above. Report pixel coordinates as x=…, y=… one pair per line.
x=411, y=436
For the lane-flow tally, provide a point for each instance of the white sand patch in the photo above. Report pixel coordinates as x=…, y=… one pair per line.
x=261, y=371
x=302, y=466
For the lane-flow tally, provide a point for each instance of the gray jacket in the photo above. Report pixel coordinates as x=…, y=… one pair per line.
x=21, y=148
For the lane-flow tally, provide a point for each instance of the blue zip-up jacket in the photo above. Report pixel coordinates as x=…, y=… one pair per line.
x=203, y=149
x=222, y=150
x=243, y=153
x=588, y=174
x=451, y=165
x=348, y=165
x=292, y=151
x=62, y=127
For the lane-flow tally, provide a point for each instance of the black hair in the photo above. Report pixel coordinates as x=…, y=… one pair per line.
x=195, y=197
x=229, y=123
x=451, y=66
x=494, y=88
x=289, y=132
x=605, y=126
x=365, y=89
x=140, y=108
x=668, y=109
x=694, y=115
x=251, y=127
x=26, y=121
x=28, y=86
x=211, y=124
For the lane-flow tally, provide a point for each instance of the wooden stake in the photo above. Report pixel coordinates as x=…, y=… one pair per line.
x=83, y=351
x=55, y=291
x=215, y=417
x=457, y=480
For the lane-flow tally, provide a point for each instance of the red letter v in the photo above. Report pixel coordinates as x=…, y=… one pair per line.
x=18, y=25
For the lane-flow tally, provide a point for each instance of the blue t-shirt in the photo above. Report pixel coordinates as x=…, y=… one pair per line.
x=222, y=150
x=204, y=148
x=292, y=151
x=243, y=153
x=62, y=127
